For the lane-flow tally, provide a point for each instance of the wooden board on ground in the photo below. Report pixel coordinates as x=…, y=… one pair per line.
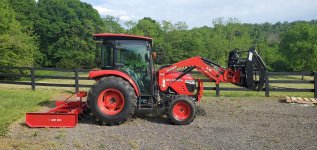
x=288, y=99
x=313, y=100
x=300, y=100
x=307, y=99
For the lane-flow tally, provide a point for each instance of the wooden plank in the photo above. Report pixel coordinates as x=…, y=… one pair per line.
x=288, y=99
x=301, y=101
x=313, y=100
x=304, y=102
x=294, y=99
x=307, y=99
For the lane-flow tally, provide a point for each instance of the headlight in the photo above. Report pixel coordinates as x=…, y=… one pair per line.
x=191, y=85
x=190, y=82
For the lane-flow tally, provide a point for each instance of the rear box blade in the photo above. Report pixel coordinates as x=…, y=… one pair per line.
x=58, y=120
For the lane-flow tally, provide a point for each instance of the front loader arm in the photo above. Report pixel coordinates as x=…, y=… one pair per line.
x=241, y=72
x=211, y=70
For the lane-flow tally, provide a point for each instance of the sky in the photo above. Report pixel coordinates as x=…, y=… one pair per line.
x=197, y=13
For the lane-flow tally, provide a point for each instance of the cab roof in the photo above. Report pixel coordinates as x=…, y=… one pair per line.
x=113, y=36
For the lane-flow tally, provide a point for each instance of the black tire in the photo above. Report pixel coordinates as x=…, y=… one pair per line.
x=121, y=87
x=187, y=117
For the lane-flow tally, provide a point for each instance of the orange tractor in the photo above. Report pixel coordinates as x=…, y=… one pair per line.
x=128, y=81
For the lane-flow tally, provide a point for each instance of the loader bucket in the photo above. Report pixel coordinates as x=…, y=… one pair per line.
x=253, y=68
x=64, y=115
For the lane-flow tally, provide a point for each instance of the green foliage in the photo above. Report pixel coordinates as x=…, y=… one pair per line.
x=16, y=47
x=65, y=29
x=175, y=42
x=299, y=46
x=26, y=13
x=112, y=25
x=147, y=27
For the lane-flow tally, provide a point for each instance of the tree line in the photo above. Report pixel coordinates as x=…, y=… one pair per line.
x=58, y=33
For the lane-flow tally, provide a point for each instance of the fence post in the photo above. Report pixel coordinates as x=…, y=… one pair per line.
x=315, y=84
x=32, y=78
x=76, y=80
x=217, y=90
x=267, y=85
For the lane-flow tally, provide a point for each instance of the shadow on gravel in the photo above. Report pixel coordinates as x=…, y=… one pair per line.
x=200, y=111
x=87, y=119
x=23, y=124
x=281, y=100
x=148, y=115
x=161, y=118
x=142, y=115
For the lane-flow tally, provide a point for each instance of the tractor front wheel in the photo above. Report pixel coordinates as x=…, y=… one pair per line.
x=181, y=110
x=112, y=100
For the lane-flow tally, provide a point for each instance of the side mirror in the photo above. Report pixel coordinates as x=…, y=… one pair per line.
x=154, y=55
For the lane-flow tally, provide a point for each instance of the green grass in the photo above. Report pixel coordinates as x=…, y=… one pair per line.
x=262, y=93
x=257, y=94
x=14, y=103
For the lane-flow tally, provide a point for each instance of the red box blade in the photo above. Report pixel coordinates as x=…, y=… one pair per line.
x=58, y=120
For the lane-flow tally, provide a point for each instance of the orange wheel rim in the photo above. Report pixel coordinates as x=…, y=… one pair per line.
x=110, y=101
x=181, y=111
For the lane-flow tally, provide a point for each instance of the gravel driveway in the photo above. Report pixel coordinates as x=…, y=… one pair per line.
x=221, y=123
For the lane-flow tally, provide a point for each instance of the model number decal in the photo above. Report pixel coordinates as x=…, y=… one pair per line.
x=171, y=69
x=55, y=120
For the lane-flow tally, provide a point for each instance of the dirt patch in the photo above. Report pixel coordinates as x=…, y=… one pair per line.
x=221, y=123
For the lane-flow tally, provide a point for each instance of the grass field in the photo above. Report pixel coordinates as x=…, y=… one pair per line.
x=15, y=102
x=262, y=93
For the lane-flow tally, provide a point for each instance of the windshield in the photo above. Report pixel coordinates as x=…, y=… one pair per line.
x=134, y=55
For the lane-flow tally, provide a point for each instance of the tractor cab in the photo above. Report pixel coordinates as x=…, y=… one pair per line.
x=129, y=54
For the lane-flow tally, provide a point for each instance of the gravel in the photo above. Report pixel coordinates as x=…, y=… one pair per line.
x=221, y=123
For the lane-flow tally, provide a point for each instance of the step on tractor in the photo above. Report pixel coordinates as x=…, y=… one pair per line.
x=127, y=81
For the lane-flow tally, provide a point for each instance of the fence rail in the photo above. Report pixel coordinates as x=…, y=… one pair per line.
x=267, y=88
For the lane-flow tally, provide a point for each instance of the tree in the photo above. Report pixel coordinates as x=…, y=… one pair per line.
x=65, y=28
x=25, y=13
x=147, y=27
x=150, y=28
x=299, y=46
x=16, y=47
x=226, y=36
x=112, y=25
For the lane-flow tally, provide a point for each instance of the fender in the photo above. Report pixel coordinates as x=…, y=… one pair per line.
x=97, y=74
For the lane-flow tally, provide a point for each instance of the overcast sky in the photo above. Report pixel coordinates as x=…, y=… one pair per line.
x=197, y=13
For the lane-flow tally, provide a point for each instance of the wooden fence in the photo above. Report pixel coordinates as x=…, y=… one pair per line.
x=32, y=80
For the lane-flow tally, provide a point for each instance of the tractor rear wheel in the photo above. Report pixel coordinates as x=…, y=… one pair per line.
x=181, y=110
x=112, y=100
